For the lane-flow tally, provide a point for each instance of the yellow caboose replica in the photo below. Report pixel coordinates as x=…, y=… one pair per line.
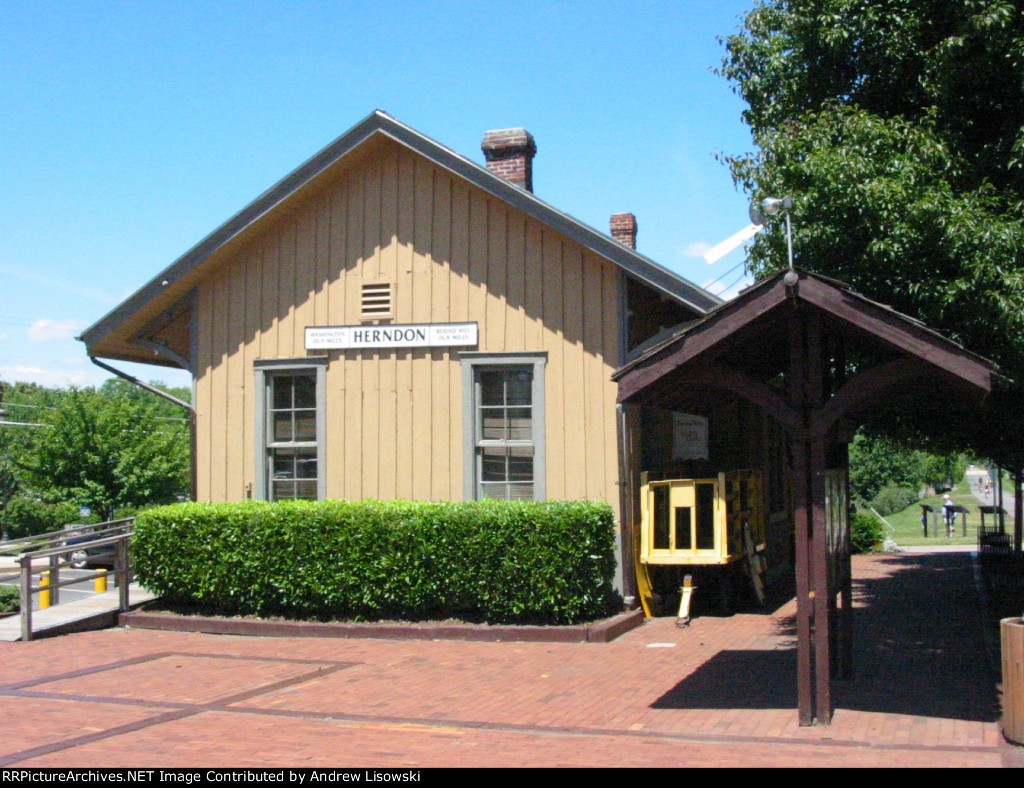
x=710, y=525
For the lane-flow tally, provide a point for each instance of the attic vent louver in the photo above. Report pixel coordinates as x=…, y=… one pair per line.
x=376, y=301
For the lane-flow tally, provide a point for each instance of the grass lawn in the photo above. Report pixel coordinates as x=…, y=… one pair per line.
x=907, y=524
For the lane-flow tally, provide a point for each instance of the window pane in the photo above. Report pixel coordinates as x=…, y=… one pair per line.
x=705, y=517
x=494, y=491
x=305, y=464
x=282, y=490
x=492, y=387
x=507, y=492
x=305, y=391
x=493, y=424
x=305, y=426
x=287, y=490
x=283, y=463
x=520, y=465
x=305, y=490
x=520, y=424
x=492, y=465
x=519, y=387
x=684, y=520
x=661, y=515
x=282, y=393
x=282, y=427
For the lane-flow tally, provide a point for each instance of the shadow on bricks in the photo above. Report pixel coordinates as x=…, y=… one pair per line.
x=918, y=642
x=737, y=680
x=917, y=651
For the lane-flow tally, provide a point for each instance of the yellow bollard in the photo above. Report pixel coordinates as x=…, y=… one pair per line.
x=44, y=595
x=686, y=596
x=99, y=585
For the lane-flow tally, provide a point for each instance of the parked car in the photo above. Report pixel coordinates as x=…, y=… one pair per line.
x=103, y=556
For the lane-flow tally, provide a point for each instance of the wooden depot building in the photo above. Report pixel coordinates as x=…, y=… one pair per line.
x=393, y=320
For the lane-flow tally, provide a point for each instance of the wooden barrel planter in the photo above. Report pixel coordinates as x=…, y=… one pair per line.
x=1012, y=636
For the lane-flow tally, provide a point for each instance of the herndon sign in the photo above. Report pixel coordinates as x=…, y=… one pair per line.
x=419, y=335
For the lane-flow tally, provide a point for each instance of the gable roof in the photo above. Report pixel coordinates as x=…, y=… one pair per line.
x=164, y=290
x=732, y=325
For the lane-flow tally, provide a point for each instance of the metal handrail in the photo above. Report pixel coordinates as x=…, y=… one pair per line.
x=19, y=545
x=74, y=548
x=59, y=539
x=120, y=535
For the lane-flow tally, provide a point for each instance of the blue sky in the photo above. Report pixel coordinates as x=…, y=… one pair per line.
x=131, y=130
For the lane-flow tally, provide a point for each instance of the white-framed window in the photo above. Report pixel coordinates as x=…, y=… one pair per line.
x=290, y=428
x=503, y=425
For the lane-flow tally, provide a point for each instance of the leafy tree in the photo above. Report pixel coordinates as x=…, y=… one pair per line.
x=8, y=474
x=878, y=461
x=898, y=127
x=20, y=401
x=114, y=447
x=26, y=517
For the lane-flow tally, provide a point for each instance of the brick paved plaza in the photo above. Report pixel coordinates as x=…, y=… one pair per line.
x=718, y=693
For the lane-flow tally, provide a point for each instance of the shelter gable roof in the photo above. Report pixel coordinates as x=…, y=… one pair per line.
x=174, y=282
x=836, y=299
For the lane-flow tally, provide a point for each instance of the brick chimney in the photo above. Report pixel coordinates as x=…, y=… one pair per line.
x=624, y=229
x=509, y=153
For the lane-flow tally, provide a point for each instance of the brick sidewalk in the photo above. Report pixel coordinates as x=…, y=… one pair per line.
x=719, y=693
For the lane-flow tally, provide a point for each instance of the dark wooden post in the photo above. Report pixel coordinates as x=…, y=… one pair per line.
x=814, y=382
x=801, y=529
x=193, y=448
x=26, y=597
x=819, y=583
x=801, y=507
x=628, y=422
x=1018, y=511
x=846, y=591
x=122, y=572
x=997, y=497
x=55, y=579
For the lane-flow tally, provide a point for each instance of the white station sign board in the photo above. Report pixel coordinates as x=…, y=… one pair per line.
x=689, y=437
x=419, y=335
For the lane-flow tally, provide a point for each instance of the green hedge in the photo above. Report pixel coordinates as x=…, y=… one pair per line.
x=10, y=599
x=866, y=533
x=545, y=562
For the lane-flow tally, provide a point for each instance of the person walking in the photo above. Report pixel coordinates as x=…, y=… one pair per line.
x=948, y=514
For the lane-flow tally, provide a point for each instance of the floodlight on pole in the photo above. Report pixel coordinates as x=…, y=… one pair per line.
x=772, y=206
x=759, y=215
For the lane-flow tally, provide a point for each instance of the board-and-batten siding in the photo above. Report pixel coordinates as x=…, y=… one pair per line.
x=394, y=417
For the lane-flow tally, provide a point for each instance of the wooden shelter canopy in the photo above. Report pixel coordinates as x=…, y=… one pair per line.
x=873, y=357
x=817, y=358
